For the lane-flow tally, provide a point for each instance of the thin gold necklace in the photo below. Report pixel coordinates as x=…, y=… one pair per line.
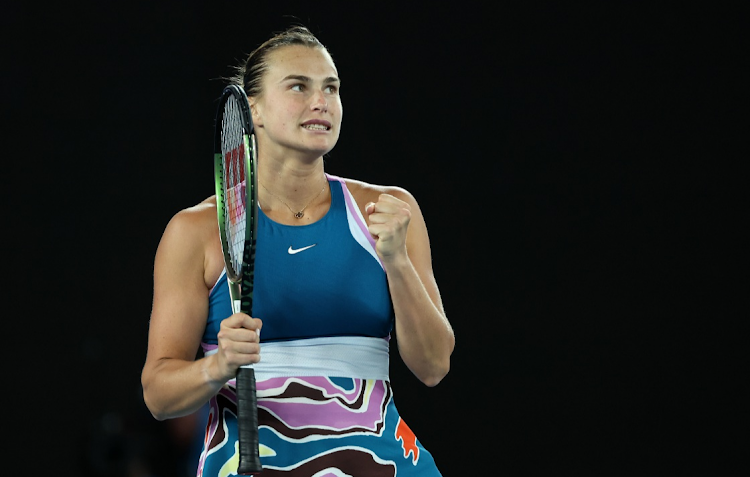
x=301, y=212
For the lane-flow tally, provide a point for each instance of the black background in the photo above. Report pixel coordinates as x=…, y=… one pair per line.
x=575, y=165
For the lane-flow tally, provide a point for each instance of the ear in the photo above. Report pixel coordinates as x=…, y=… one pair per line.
x=255, y=112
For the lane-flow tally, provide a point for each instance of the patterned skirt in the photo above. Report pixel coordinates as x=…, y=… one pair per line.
x=316, y=426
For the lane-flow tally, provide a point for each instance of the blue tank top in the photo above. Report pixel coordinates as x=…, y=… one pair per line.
x=321, y=279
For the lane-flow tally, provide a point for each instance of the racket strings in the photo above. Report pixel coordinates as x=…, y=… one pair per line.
x=233, y=148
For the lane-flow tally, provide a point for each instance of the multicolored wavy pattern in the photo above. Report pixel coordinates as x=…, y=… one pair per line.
x=317, y=426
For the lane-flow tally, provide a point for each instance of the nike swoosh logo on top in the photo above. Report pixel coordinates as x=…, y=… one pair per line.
x=292, y=251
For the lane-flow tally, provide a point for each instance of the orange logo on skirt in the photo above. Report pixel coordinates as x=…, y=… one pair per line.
x=408, y=440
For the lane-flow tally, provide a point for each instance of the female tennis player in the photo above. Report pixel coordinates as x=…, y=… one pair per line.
x=341, y=266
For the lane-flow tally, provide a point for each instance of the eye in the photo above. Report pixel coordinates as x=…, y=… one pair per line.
x=331, y=89
x=299, y=87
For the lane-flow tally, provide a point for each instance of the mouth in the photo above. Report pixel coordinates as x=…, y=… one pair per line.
x=317, y=125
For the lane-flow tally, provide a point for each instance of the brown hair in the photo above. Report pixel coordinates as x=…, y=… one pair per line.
x=250, y=71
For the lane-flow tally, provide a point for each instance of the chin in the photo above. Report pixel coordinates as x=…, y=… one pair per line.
x=322, y=149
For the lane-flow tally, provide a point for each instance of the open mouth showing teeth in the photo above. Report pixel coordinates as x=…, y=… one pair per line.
x=316, y=127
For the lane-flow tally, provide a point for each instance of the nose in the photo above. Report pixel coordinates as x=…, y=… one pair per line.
x=319, y=102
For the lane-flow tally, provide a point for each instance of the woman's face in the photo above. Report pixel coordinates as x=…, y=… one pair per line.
x=299, y=109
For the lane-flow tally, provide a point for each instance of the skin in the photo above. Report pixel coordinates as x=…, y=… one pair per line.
x=300, y=88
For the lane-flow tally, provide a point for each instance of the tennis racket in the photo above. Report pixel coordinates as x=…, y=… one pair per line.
x=235, y=165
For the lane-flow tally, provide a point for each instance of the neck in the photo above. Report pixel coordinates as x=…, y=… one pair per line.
x=292, y=174
x=291, y=187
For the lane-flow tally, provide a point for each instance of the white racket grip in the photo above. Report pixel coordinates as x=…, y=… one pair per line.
x=236, y=309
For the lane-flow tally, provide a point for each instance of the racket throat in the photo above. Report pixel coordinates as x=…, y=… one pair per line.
x=235, y=297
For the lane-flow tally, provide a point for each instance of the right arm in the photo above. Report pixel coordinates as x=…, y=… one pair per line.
x=174, y=382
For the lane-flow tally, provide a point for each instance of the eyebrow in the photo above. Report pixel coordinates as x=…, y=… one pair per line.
x=307, y=79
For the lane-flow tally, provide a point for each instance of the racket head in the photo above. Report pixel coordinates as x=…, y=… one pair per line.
x=235, y=166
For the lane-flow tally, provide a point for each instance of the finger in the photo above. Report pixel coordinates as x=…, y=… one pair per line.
x=251, y=323
x=241, y=347
x=388, y=203
x=240, y=354
x=387, y=214
x=232, y=337
x=395, y=202
x=397, y=220
x=382, y=230
x=380, y=218
x=240, y=325
x=384, y=202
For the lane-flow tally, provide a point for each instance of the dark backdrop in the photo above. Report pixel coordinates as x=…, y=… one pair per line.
x=573, y=164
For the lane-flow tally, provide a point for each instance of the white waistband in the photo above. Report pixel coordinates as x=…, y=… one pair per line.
x=345, y=356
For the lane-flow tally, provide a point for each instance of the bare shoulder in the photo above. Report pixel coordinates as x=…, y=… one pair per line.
x=365, y=192
x=192, y=226
x=192, y=236
x=196, y=215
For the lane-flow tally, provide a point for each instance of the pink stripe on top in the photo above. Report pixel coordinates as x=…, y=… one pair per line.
x=357, y=223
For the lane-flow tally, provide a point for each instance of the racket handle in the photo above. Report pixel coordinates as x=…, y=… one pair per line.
x=247, y=422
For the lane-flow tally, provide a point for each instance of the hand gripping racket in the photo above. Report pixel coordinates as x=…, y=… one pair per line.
x=235, y=165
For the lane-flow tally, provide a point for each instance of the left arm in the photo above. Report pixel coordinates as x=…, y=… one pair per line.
x=424, y=335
